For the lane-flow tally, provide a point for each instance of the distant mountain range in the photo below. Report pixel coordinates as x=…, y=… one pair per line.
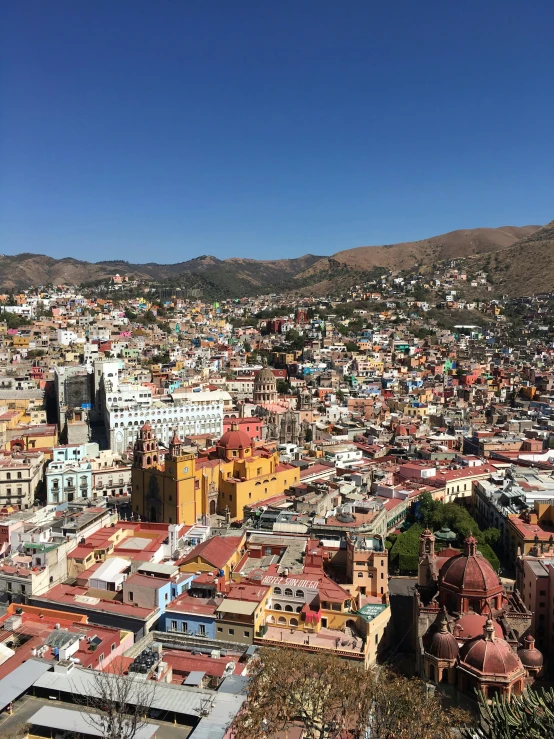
x=514, y=255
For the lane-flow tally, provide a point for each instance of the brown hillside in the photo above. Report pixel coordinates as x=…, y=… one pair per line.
x=456, y=244
x=526, y=267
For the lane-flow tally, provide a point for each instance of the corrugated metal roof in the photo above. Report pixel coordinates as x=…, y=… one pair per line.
x=20, y=680
x=79, y=722
x=194, y=678
x=223, y=710
x=163, y=696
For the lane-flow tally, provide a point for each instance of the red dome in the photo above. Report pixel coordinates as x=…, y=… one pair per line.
x=489, y=655
x=529, y=655
x=470, y=572
x=235, y=439
x=443, y=646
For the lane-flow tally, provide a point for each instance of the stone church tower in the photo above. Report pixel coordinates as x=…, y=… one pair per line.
x=265, y=386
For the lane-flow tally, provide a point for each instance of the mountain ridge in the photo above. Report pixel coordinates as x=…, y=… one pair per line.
x=236, y=276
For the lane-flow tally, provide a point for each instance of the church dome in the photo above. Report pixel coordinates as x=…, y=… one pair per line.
x=235, y=439
x=529, y=655
x=265, y=375
x=489, y=655
x=443, y=645
x=470, y=572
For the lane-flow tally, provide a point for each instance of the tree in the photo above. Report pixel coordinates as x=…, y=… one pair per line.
x=327, y=696
x=404, y=709
x=351, y=346
x=527, y=716
x=427, y=506
x=118, y=702
x=283, y=387
x=332, y=698
x=247, y=347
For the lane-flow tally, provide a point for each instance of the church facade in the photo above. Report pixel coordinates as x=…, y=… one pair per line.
x=189, y=488
x=470, y=633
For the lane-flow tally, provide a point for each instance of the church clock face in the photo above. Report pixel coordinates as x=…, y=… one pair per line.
x=119, y=436
x=185, y=470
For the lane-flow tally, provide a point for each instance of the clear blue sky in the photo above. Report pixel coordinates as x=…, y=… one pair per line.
x=160, y=130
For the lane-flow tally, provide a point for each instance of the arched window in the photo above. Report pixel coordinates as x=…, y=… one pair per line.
x=293, y=622
x=281, y=620
x=277, y=591
x=288, y=608
x=288, y=591
x=299, y=593
x=277, y=607
x=298, y=609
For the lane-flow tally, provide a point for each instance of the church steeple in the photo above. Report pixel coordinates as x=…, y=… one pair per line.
x=175, y=446
x=145, y=453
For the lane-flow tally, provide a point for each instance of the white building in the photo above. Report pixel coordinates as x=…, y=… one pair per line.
x=19, y=476
x=68, y=482
x=190, y=413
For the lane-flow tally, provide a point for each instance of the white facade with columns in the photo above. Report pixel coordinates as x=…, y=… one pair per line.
x=192, y=414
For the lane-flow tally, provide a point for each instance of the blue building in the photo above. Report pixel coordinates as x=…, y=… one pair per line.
x=193, y=613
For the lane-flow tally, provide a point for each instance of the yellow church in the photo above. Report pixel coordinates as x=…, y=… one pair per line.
x=189, y=489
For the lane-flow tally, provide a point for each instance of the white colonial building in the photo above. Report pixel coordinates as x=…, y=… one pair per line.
x=192, y=414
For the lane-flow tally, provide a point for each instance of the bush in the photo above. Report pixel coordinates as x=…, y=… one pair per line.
x=458, y=518
x=404, y=553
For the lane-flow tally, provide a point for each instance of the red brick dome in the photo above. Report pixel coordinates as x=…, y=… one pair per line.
x=529, y=655
x=488, y=655
x=443, y=645
x=470, y=573
x=235, y=439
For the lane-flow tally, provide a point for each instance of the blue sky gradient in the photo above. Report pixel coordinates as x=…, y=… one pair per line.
x=160, y=131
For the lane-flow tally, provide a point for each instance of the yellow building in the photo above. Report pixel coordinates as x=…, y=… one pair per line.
x=220, y=553
x=187, y=489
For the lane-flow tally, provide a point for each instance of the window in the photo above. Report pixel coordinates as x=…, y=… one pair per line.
x=130, y=595
x=9, y=476
x=101, y=658
x=113, y=647
x=277, y=591
x=174, y=626
x=277, y=607
x=19, y=475
x=231, y=632
x=360, y=574
x=202, y=630
x=246, y=633
x=288, y=608
x=542, y=592
x=376, y=638
x=335, y=606
x=288, y=591
x=219, y=629
x=299, y=593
